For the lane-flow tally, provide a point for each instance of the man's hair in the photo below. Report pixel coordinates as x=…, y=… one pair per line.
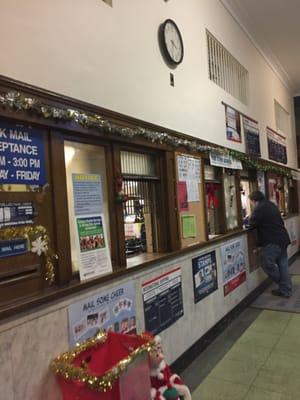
x=257, y=196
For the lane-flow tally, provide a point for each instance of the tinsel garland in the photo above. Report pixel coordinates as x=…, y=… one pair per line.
x=62, y=365
x=33, y=233
x=19, y=102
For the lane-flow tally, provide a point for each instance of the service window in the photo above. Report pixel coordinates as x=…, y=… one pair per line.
x=26, y=211
x=141, y=190
x=88, y=208
x=276, y=191
x=230, y=192
x=214, y=200
x=248, y=184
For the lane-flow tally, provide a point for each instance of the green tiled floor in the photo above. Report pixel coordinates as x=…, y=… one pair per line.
x=263, y=364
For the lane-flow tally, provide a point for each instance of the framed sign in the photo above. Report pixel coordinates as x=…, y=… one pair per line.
x=233, y=125
x=276, y=146
x=251, y=133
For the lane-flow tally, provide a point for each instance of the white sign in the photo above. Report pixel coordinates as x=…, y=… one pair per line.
x=224, y=160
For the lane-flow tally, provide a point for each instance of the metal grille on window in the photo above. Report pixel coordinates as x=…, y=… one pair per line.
x=225, y=70
x=140, y=187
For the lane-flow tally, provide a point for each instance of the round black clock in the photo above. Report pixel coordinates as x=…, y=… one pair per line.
x=171, y=42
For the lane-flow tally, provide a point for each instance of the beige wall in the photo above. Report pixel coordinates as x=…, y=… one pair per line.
x=109, y=56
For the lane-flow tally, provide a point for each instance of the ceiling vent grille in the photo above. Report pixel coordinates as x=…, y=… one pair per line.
x=226, y=71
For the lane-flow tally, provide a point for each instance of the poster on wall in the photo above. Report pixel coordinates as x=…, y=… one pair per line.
x=233, y=260
x=189, y=177
x=92, y=245
x=204, y=275
x=251, y=134
x=291, y=225
x=162, y=298
x=233, y=125
x=22, y=155
x=276, y=146
x=112, y=310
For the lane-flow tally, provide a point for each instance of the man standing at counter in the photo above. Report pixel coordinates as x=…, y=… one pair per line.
x=274, y=239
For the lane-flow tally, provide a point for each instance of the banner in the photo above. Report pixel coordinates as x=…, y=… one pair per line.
x=224, y=161
x=233, y=260
x=22, y=158
x=112, y=310
x=204, y=275
x=251, y=133
x=233, y=125
x=276, y=146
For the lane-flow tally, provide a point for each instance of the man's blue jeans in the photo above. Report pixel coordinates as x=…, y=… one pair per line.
x=275, y=264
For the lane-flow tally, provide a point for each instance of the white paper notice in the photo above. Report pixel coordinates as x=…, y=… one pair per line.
x=192, y=188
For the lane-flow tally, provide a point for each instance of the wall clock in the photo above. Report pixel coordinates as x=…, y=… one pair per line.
x=171, y=42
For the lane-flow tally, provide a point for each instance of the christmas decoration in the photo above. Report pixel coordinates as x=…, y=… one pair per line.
x=91, y=370
x=39, y=242
x=164, y=384
x=20, y=102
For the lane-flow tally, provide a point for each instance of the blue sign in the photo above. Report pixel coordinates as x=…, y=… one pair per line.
x=22, y=158
x=205, y=275
x=12, y=247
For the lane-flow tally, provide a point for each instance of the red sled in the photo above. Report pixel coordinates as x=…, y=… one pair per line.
x=110, y=366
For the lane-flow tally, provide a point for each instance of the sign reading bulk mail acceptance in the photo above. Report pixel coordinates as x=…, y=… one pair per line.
x=22, y=156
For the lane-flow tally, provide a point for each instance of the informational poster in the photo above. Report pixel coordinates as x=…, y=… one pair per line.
x=22, y=155
x=276, y=146
x=13, y=247
x=251, y=133
x=233, y=260
x=163, y=303
x=182, y=196
x=189, y=168
x=188, y=226
x=92, y=244
x=13, y=214
x=224, y=161
x=204, y=275
x=112, y=310
x=233, y=125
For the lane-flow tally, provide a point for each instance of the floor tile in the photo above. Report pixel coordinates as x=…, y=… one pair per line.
x=280, y=381
x=279, y=360
x=242, y=372
x=264, y=339
x=255, y=354
x=260, y=394
x=289, y=343
x=217, y=389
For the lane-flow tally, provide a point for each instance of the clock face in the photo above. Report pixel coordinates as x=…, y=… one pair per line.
x=172, y=42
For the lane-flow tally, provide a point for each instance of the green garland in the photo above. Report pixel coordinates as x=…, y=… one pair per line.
x=19, y=102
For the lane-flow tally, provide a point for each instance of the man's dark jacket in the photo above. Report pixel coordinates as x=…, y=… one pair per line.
x=270, y=227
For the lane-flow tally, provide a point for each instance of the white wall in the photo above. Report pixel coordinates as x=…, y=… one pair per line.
x=110, y=57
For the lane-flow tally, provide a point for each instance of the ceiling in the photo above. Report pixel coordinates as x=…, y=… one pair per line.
x=274, y=27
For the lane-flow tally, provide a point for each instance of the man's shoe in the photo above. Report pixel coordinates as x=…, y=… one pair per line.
x=277, y=292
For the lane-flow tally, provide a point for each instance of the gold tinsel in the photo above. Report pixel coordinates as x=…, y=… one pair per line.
x=62, y=365
x=32, y=233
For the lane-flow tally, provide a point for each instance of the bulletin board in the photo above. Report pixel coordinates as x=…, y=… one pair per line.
x=190, y=197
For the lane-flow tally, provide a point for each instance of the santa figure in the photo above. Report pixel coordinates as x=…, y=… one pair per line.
x=164, y=384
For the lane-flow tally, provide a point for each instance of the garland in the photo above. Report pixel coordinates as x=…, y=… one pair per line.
x=19, y=102
x=39, y=242
x=62, y=365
